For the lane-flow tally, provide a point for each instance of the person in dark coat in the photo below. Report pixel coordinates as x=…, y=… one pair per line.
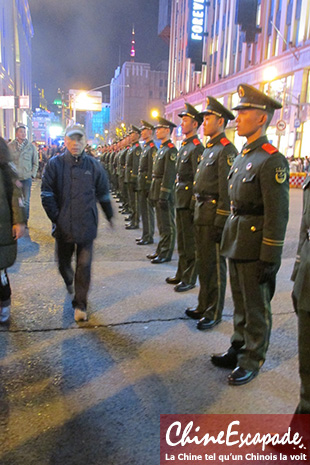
x=72, y=184
x=12, y=224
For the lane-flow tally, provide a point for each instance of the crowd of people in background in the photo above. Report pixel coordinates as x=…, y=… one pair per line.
x=299, y=165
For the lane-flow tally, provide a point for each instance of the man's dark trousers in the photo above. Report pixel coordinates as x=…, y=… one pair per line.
x=82, y=273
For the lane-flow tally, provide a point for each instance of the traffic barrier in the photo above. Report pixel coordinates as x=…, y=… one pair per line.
x=297, y=179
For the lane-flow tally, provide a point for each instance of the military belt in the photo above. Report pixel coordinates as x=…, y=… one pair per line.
x=206, y=198
x=155, y=176
x=258, y=211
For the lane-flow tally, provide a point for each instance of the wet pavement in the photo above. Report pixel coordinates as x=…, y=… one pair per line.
x=93, y=392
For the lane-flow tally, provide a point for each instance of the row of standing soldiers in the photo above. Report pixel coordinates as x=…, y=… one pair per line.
x=219, y=205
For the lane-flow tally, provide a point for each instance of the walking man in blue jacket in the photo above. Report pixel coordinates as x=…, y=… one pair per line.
x=72, y=185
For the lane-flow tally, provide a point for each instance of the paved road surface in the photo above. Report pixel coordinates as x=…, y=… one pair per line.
x=93, y=393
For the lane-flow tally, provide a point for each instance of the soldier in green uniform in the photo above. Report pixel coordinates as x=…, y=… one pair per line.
x=162, y=191
x=107, y=162
x=144, y=183
x=118, y=169
x=187, y=161
x=254, y=234
x=301, y=300
x=211, y=211
x=131, y=177
x=102, y=156
x=112, y=167
x=121, y=172
x=125, y=206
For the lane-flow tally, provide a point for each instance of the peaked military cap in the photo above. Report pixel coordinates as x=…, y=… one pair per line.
x=250, y=97
x=214, y=107
x=146, y=125
x=192, y=113
x=135, y=129
x=164, y=123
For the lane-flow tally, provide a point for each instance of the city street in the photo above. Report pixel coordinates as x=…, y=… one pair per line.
x=92, y=393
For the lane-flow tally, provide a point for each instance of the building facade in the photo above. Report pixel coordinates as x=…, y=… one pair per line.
x=276, y=60
x=136, y=91
x=164, y=18
x=16, y=32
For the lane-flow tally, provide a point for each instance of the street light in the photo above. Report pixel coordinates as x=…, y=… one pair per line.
x=154, y=113
x=270, y=73
x=82, y=101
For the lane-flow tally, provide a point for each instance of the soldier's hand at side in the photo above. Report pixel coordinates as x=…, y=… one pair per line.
x=163, y=204
x=266, y=271
x=217, y=234
x=18, y=230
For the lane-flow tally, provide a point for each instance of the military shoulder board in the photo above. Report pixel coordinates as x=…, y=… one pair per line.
x=224, y=141
x=137, y=144
x=196, y=141
x=269, y=148
x=152, y=144
x=170, y=145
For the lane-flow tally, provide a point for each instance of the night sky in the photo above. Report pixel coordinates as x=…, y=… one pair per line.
x=79, y=43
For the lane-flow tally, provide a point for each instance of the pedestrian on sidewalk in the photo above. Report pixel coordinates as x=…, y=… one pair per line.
x=12, y=225
x=25, y=157
x=72, y=184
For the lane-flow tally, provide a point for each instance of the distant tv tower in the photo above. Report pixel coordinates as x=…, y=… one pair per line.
x=133, y=43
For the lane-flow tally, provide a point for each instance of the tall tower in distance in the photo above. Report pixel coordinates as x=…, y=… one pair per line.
x=133, y=44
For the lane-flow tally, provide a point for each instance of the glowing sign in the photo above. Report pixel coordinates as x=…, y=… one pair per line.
x=197, y=19
x=85, y=100
x=7, y=102
x=24, y=101
x=55, y=131
x=196, y=32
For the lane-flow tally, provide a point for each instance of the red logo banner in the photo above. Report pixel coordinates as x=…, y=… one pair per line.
x=234, y=439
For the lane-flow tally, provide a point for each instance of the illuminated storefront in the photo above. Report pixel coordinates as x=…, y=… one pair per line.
x=276, y=61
